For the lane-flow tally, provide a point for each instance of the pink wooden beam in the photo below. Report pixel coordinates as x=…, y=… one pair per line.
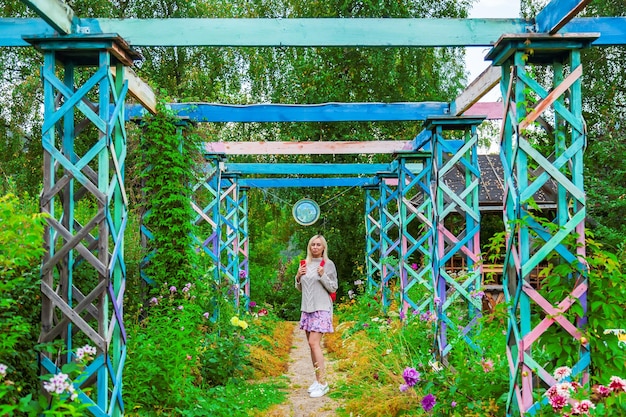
x=309, y=147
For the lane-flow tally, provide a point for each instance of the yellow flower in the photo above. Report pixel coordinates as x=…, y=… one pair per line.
x=243, y=324
x=235, y=321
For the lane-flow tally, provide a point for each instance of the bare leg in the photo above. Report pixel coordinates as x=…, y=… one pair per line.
x=317, y=357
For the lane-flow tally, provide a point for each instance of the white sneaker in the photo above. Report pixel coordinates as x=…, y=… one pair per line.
x=319, y=391
x=313, y=386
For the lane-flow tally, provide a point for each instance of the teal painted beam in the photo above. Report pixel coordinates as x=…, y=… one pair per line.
x=55, y=12
x=302, y=32
x=326, y=112
x=305, y=169
x=557, y=13
x=307, y=182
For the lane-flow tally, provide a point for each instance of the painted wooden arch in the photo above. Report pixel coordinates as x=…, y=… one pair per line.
x=99, y=172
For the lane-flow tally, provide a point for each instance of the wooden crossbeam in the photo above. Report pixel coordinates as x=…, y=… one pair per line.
x=212, y=32
x=55, y=12
x=477, y=89
x=139, y=89
x=557, y=13
x=305, y=169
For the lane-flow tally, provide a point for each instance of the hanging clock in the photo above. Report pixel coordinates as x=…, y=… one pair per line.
x=306, y=212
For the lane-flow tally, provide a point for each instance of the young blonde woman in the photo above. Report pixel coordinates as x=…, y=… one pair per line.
x=316, y=279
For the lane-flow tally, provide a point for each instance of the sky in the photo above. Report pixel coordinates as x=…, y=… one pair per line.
x=474, y=57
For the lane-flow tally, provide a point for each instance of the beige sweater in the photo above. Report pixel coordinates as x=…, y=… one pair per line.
x=316, y=289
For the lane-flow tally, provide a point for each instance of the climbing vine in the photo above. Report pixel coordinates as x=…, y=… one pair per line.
x=169, y=151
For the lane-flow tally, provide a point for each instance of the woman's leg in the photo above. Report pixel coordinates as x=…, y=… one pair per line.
x=317, y=357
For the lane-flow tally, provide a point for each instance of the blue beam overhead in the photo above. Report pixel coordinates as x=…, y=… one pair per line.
x=308, y=32
x=557, y=13
x=326, y=112
x=306, y=182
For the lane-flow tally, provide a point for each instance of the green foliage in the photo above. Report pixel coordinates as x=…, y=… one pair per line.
x=168, y=170
x=21, y=251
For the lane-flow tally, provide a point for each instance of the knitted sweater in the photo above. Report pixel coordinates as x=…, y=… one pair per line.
x=316, y=289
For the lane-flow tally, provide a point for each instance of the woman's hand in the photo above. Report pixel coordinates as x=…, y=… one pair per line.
x=301, y=271
x=320, y=270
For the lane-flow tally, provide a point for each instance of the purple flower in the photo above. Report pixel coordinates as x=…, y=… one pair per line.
x=428, y=402
x=206, y=315
x=414, y=266
x=242, y=274
x=180, y=307
x=154, y=301
x=172, y=289
x=453, y=404
x=411, y=376
x=404, y=387
x=252, y=304
x=402, y=315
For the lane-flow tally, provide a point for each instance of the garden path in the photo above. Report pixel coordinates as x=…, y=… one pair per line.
x=300, y=374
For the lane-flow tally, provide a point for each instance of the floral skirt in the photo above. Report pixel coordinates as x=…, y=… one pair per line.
x=318, y=321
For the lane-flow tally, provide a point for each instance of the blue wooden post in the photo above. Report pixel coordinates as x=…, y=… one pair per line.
x=244, y=266
x=456, y=219
x=230, y=234
x=372, y=238
x=389, y=236
x=416, y=230
x=531, y=107
x=205, y=202
x=73, y=181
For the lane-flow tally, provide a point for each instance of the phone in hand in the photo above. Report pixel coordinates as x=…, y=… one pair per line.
x=302, y=262
x=322, y=263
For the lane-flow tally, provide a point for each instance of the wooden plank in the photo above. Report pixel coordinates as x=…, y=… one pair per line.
x=557, y=13
x=306, y=182
x=478, y=88
x=307, y=148
x=324, y=112
x=139, y=89
x=307, y=31
x=305, y=169
x=55, y=12
x=493, y=110
x=612, y=31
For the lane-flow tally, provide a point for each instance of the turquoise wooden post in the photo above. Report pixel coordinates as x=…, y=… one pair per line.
x=244, y=270
x=536, y=317
x=372, y=238
x=416, y=232
x=456, y=218
x=205, y=201
x=230, y=234
x=389, y=236
x=72, y=307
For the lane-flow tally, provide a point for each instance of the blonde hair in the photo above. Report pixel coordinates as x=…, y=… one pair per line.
x=308, y=248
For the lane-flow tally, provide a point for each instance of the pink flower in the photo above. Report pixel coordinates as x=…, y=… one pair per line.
x=428, y=402
x=404, y=387
x=189, y=357
x=602, y=391
x=562, y=372
x=206, y=315
x=486, y=364
x=411, y=376
x=557, y=402
x=262, y=312
x=172, y=289
x=583, y=407
x=617, y=384
x=180, y=307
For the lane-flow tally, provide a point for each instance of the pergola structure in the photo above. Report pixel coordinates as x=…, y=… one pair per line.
x=413, y=190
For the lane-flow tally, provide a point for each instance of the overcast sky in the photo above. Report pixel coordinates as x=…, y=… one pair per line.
x=475, y=57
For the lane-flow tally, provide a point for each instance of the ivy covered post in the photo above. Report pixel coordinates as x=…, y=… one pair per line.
x=549, y=319
x=416, y=231
x=372, y=237
x=456, y=219
x=87, y=207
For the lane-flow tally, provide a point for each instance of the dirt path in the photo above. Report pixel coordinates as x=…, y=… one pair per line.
x=301, y=375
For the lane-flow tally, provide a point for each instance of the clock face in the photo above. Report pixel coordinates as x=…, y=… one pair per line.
x=306, y=212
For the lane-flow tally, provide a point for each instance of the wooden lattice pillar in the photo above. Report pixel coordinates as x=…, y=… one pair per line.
x=205, y=201
x=389, y=236
x=554, y=114
x=243, y=230
x=83, y=272
x=230, y=234
x=417, y=231
x=372, y=237
x=456, y=218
